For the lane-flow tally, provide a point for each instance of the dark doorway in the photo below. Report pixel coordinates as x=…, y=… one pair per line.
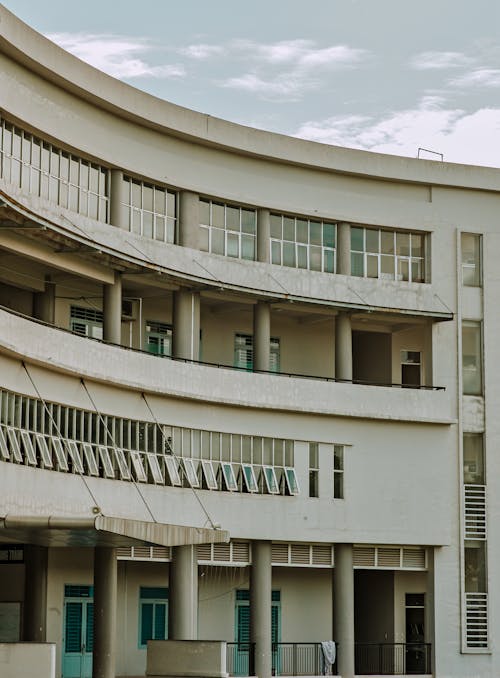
x=372, y=357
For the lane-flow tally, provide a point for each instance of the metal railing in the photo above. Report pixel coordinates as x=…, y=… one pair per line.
x=288, y=659
x=225, y=366
x=395, y=659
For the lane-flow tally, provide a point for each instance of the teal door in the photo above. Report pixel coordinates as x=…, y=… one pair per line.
x=78, y=632
x=241, y=658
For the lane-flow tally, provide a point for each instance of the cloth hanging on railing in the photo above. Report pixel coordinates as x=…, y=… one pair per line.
x=329, y=655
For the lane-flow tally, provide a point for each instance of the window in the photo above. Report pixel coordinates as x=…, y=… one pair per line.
x=471, y=259
x=473, y=459
x=395, y=255
x=229, y=230
x=313, y=470
x=475, y=566
x=151, y=210
x=159, y=338
x=411, y=369
x=46, y=171
x=86, y=321
x=153, y=614
x=302, y=243
x=338, y=472
x=243, y=352
x=472, y=369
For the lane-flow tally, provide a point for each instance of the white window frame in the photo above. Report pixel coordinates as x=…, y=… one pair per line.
x=171, y=463
x=271, y=484
x=191, y=472
x=293, y=487
x=229, y=476
x=249, y=477
x=209, y=474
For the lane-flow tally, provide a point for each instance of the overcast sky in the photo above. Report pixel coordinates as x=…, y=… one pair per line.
x=381, y=75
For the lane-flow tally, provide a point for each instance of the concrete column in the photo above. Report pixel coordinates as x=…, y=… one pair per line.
x=35, y=593
x=186, y=320
x=261, y=335
x=343, y=248
x=105, y=598
x=112, y=311
x=343, y=346
x=189, y=220
x=183, y=594
x=343, y=609
x=118, y=213
x=430, y=622
x=44, y=303
x=263, y=235
x=260, y=607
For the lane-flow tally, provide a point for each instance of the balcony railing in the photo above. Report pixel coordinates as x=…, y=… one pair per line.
x=225, y=366
x=392, y=659
x=306, y=659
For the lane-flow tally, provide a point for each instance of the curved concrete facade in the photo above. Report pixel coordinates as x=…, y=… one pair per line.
x=204, y=325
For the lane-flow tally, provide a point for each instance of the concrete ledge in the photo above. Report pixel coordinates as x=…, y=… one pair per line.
x=182, y=658
x=29, y=660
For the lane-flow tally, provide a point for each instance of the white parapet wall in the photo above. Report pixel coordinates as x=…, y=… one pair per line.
x=29, y=660
x=176, y=658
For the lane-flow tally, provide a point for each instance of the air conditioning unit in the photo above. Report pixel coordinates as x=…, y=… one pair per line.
x=128, y=309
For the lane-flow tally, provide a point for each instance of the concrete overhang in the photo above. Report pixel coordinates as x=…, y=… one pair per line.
x=60, y=531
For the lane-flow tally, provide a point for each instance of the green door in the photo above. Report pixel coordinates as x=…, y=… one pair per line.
x=241, y=659
x=78, y=635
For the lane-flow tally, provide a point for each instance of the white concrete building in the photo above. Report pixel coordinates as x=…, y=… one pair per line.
x=210, y=332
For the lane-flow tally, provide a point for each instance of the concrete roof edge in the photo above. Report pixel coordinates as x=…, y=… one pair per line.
x=36, y=52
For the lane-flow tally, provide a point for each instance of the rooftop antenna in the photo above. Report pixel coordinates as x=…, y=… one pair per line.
x=427, y=150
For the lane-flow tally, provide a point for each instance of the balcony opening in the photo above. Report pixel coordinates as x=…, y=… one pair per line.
x=372, y=357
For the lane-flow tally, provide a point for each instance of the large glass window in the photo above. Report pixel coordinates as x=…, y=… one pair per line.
x=395, y=255
x=243, y=352
x=471, y=259
x=472, y=368
x=473, y=459
x=159, y=338
x=151, y=210
x=303, y=243
x=46, y=171
x=153, y=614
x=229, y=230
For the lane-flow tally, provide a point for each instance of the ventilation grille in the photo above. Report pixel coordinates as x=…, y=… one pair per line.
x=234, y=553
x=393, y=557
x=302, y=555
x=475, y=511
x=161, y=553
x=476, y=620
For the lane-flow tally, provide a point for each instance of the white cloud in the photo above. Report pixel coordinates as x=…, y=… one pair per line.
x=202, y=51
x=439, y=60
x=481, y=77
x=285, y=87
x=118, y=56
x=464, y=137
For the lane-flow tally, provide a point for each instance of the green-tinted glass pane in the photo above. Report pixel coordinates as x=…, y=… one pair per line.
x=233, y=245
x=248, y=247
x=372, y=266
x=218, y=215
x=204, y=212
x=276, y=231
x=315, y=256
x=357, y=264
x=276, y=252
x=387, y=242
x=357, y=241
x=372, y=240
x=232, y=218
x=329, y=235
x=288, y=253
x=160, y=621
x=315, y=232
x=248, y=221
x=403, y=244
x=302, y=231
x=289, y=229
x=217, y=236
x=146, y=622
x=302, y=256
x=73, y=627
x=329, y=261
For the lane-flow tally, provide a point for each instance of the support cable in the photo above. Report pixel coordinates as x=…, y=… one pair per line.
x=58, y=430
x=111, y=437
x=183, y=472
